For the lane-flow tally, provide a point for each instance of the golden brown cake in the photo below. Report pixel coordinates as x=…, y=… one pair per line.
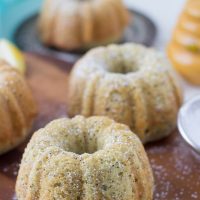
x=85, y=159
x=129, y=83
x=17, y=108
x=75, y=24
x=184, y=48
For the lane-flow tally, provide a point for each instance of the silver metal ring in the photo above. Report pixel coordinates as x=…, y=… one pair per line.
x=189, y=122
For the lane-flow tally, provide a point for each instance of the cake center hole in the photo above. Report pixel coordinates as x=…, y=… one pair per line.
x=123, y=68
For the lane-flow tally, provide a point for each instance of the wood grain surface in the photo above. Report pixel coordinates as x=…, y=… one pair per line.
x=176, y=167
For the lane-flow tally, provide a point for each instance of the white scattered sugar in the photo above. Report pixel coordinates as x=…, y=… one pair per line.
x=14, y=197
x=177, y=177
x=11, y=169
x=194, y=195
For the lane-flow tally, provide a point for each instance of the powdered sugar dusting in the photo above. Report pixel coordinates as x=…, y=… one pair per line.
x=176, y=169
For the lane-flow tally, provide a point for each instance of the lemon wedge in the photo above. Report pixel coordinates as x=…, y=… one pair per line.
x=11, y=54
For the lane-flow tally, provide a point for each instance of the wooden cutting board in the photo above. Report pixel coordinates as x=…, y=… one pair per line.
x=176, y=167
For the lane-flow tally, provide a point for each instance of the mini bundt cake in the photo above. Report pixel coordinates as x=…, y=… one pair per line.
x=85, y=159
x=17, y=108
x=184, y=48
x=76, y=24
x=129, y=83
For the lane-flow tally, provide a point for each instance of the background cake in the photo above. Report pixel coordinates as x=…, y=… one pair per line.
x=75, y=24
x=17, y=108
x=129, y=83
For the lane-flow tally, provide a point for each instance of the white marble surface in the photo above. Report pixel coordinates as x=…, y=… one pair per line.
x=164, y=13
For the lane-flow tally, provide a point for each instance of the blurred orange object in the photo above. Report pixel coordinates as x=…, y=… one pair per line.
x=184, y=48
